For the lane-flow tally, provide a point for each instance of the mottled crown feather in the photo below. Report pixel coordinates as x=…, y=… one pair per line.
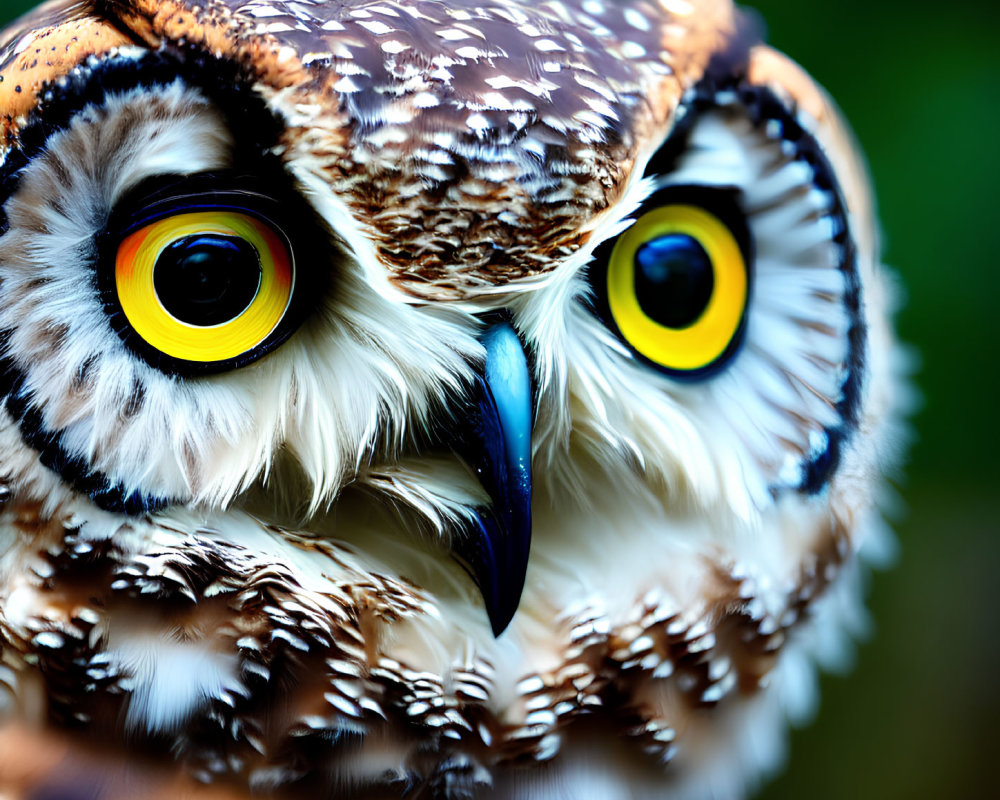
x=479, y=144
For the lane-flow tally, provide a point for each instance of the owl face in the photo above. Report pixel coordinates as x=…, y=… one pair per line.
x=420, y=392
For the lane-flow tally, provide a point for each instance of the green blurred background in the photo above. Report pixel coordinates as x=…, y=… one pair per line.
x=920, y=82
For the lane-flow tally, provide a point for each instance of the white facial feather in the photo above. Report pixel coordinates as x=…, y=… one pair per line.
x=360, y=377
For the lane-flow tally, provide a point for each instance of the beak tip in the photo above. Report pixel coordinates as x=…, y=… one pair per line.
x=497, y=560
x=500, y=620
x=503, y=607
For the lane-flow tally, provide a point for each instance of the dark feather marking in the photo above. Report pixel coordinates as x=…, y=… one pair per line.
x=136, y=399
x=78, y=473
x=83, y=376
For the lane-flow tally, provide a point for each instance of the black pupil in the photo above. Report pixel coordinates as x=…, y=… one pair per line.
x=673, y=280
x=207, y=279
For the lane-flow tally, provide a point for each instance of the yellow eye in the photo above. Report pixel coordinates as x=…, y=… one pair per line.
x=205, y=286
x=677, y=287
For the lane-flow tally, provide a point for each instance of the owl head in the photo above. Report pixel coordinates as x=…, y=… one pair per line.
x=420, y=396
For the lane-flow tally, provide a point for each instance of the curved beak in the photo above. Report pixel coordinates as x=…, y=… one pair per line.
x=495, y=441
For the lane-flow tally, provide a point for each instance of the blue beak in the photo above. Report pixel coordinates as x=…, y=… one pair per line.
x=495, y=441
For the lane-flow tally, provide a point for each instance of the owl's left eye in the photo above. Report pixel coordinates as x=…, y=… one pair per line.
x=675, y=284
x=201, y=282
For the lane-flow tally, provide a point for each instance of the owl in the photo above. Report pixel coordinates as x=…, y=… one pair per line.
x=427, y=399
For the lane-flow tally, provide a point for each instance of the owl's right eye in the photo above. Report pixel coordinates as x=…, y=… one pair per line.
x=205, y=286
x=203, y=281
